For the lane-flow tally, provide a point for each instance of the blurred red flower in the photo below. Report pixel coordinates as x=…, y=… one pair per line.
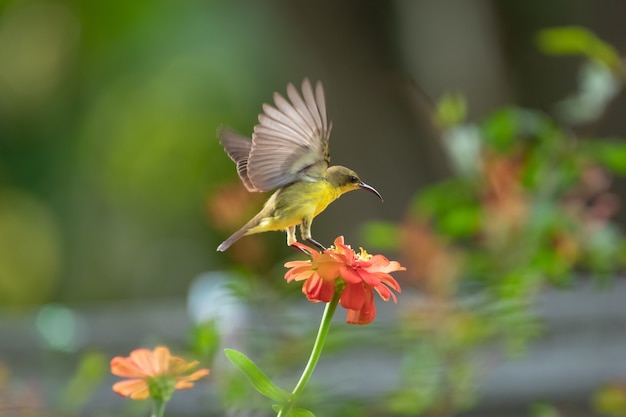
x=155, y=374
x=361, y=273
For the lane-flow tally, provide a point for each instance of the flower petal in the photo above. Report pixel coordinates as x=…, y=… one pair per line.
x=144, y=359
x=137, y=389
x=349, y=275
x=299, y=273
x=125, y=367
x=187, y=381
x=389, y=281
x=181, y=384
x=362, y=273
x=310, y=250
x=177, y=366
x=161, y=360
x=354, y=296
x=367, y=277
x=363, y=316
x=317, y=289
x=379, y=263
x=200, y=373
x=297, y=264
x=358, y=299
x=384, y=292
x=328, y=267
x=343, y=251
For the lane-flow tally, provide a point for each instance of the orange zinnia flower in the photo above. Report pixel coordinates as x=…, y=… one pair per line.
x=155, y=374
x=361, y=273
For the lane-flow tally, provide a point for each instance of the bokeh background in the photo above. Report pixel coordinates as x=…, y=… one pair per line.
x=114, y=190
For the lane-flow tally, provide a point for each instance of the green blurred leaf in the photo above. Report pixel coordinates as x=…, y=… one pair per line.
x=300, y=412
x=443, y=196
x=452, y=206
x=383, y=235
x=602, y=249
x=544, y=410
x=576, y=40
x=92, y=369
x=205, y=339
x=30, y=245
x=501, y=128
x=462, y=222
x=611, y=154
x=610, y=400
x=235, y=390
x=505, y=128
x=451, y=110
x=294, y=412
x=258, y=379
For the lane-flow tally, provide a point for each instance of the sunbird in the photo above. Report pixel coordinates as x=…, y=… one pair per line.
x=289, y=152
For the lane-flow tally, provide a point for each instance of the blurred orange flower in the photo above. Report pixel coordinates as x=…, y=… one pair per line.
x=155, y=374
x=361, y=273
x=435, y=265
x=506, y=205
x=228, y=207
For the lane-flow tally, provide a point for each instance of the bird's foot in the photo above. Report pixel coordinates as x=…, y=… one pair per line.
x=316, y=244
x=301, y=250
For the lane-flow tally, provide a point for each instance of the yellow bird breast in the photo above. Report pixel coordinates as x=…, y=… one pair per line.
x=291, y=204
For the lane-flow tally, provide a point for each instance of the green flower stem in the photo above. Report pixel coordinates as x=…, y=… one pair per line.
x=329, y=312
x=158, y=408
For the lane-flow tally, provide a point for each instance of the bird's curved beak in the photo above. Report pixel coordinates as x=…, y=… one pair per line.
x=371, y=189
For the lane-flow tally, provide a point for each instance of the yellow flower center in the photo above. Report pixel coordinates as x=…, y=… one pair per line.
x=363, y=256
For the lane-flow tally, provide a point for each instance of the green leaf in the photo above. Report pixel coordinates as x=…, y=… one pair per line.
x=609, y=400
x=611, y=154
x=205, y=339
x=442, y=197
x=544, y=410
x=452, y=206
x=576, y=40
x=258, y=379
x=92, y=369
x=383, y=235
x=294, y=412
x=451, y=110
x=463, y=222
x=300, y=412
x=509, y=127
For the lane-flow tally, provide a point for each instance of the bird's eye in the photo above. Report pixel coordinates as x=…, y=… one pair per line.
x=353, y=179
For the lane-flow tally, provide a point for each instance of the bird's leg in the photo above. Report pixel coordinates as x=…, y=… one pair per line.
x=291, y=235
x=316, y=244
x=302, y=250
x=291, y=239
x=305, y=231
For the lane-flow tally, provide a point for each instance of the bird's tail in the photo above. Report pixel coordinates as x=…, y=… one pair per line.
x=233, y=238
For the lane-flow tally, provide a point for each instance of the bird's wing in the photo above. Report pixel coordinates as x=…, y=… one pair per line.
x=238, y=148
x=290, y=143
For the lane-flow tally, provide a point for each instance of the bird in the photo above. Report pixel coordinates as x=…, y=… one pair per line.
x=289, y=153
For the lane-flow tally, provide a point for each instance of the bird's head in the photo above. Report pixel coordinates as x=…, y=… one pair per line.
x=346, y=180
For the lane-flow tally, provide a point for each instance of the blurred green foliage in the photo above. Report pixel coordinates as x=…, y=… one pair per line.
x=30, y=244
x=92, y=369
x=610, y=400
x=576, y=40
x=108, y=154
x=530, y=206
x=111, y=186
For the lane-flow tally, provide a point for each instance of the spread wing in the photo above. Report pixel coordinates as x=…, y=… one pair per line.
x=238, y=148
x=290, y=143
